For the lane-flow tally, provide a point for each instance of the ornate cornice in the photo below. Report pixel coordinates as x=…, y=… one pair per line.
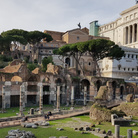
x=128, y=10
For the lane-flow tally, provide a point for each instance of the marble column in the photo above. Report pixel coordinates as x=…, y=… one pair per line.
x=67, y=104
x=3, y=99
x=124, y=36
x=58, y=98
x=110, y=90
x=133, y=33
x=137, y=33
x=25, y=96
x=129, y=133
x=128, y=34
x=72, y=96
x=24, y=89
x=85, y=95
x=41, y=100
x=117, y=131
x=21, y=100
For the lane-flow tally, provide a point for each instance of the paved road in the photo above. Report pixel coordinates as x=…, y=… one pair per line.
x=53, y=117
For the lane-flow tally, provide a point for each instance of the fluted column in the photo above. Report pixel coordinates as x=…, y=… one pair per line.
x=133, y=33
x=58, y=98
x=128, y=34
x=41, y=100
x=137, y=33
x=21, y=100
x=68, y=96
x=124, y=36
x=72, y=96
x=85, y=95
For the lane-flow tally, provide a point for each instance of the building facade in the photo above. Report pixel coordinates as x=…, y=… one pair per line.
x=124, y=32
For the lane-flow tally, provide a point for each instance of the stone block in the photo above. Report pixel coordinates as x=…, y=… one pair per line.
x=81, y=129
x=102, y=132
x=109, y=133
x=97, y=130
x=135, y=132
x=34, y=126
x=88, y=129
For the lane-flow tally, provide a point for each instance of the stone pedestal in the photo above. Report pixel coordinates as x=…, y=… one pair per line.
x=58, y=98
x=41, y=101
x=3, y=99
x=129, y=133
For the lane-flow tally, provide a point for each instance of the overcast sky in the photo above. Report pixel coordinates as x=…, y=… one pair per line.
x=58, y=15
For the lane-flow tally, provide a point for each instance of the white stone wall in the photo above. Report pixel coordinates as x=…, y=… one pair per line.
x=116, y=30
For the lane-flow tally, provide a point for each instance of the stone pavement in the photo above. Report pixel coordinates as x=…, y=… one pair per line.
x=53, y=117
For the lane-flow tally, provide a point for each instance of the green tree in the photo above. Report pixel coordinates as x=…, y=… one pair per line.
x=18, y=36
x=101, y=48
x=34, y=37
x=45, y=62
x=32, y=66
x=98, y=49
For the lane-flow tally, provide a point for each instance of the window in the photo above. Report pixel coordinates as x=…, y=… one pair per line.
x=78, y=37
x=50, y=52
x=124, y=68
x=128, y=55
x=132, y=56
x=128, y=69
x=132, y=69
x=89, y=63
x=119, y=67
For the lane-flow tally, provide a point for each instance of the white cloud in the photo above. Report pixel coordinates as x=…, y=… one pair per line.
x=58, y=15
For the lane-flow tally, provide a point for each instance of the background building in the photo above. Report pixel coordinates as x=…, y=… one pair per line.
x=124, y=32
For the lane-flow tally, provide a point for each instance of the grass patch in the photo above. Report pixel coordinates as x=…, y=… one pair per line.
x=47, y=132
x=12, y=111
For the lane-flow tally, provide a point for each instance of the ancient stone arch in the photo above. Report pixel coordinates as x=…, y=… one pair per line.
x=114, y=86
x=67, y=61
x=131, y=88
x=98, y=84
x=85, y=83
x=33, y=79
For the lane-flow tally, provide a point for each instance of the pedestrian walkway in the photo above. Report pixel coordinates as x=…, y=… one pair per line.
x=31, y=120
